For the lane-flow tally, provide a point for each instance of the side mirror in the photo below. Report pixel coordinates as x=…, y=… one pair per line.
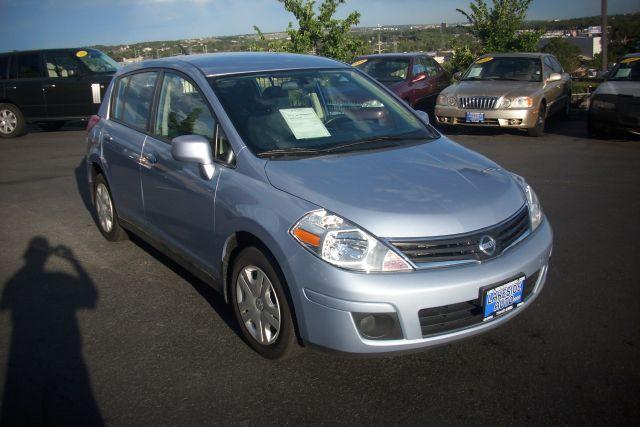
x=423, y=116
x=457, y=75
x=554, y=77
x=194, y=149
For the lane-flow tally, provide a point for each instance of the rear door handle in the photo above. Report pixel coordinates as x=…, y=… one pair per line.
x=108, y=136
x=151, y=158
x=49, y=85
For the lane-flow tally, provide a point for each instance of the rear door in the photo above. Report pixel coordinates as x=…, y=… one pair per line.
x=178, y=201
x=25, y=87
x=69, y=89
x=122, y=139
x=4, y=71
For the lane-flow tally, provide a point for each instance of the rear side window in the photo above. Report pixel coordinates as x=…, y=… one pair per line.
x=182, y=110
x=133, y=99
x=26, y=66
x=4, y=64
x=62, y=65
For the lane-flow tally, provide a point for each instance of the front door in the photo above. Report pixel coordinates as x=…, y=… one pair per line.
x=178, y=200
x=26, y=84
x=69, y=92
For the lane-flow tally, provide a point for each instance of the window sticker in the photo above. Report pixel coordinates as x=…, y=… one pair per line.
x=474, y=72
x=304, y=123
x=81, y=53
x=360, y=62
x=622, y=73
x=483, y=60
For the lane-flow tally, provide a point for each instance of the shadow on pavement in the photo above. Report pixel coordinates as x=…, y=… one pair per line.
x=47, y=381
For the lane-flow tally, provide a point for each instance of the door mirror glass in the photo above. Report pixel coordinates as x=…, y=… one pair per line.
x=194, y=149
x=423, y=115
x=554, y=77
x=457, y=75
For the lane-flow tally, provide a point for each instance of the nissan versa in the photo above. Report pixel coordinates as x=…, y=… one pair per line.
x=324, y=209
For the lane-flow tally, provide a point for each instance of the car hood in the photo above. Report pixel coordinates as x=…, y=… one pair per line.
x=433, y=189
x=493, y=88
x=618, y=88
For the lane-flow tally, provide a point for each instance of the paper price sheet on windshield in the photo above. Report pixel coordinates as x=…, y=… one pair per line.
x=304, y=123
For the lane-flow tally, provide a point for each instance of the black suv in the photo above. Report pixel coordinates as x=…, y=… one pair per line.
x=49, y=87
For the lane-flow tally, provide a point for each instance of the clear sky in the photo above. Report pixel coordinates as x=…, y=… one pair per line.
x=32, y=24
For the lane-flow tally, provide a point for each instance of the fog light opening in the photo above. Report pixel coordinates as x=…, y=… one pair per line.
x=378, y=326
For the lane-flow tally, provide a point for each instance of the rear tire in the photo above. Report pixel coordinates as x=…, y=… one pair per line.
x=261, y=306
x=51, y=126
x=12, y=123
x=105, y=212
x=538, y=129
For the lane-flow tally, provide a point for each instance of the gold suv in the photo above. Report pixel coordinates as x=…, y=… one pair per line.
x=511, y=90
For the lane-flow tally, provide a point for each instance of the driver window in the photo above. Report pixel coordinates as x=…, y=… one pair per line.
x=182, y=110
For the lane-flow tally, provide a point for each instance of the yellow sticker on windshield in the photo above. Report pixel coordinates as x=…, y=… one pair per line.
x=632, y=59
x=81, y=53
x=483, y=60
x=362, y=61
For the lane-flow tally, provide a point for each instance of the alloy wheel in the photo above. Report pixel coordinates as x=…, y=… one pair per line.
x=104, y=208
x=8, y=121
x=258, y=305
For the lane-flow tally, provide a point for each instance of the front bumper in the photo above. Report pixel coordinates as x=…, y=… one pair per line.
x=620, y=118
x=330, y=295
x=510, y=118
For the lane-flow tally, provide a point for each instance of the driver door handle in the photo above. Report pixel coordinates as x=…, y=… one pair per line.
x=151, y=158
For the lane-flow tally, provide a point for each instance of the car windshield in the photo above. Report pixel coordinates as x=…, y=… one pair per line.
x=306, y=112
x=97, y=61
x=385, y=69
x=627, y=70
x=515, y=69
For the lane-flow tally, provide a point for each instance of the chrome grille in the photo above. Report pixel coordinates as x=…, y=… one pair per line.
x=478, y=102
x=465, y=247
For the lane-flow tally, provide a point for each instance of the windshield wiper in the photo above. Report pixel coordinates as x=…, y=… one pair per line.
x=376, y=139
x=293, y=151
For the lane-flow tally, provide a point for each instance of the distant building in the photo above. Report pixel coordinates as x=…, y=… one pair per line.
x=589, y=46
x=443, y=26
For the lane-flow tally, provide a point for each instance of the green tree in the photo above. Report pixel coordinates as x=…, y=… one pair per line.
x=565, y=52
x=497, y=28
x=319, y=32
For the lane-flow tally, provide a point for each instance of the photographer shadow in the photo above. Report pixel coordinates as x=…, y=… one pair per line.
x=47, y=381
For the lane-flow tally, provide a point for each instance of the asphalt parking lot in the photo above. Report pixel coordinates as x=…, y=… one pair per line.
x=131, y=338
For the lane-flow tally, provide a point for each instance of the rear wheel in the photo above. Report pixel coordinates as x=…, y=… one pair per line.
x=261, y=306
x=538, y=129
x=51, y=126
x=12, y=122
x=106, y=215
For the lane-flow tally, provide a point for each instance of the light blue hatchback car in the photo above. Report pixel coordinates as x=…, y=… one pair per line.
x=324, y=209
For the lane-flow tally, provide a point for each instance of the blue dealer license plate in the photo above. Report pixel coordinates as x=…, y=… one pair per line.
x=474, y=117
x=502, y=298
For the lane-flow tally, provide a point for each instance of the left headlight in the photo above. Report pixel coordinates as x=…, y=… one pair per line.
x=535, y=209
x=520, y=102
x=343, y=244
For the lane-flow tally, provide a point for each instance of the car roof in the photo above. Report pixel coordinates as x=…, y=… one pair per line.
x=217, y=64
x=632, y=55
x=47, y=50
x=515, y=55
x=394, y=55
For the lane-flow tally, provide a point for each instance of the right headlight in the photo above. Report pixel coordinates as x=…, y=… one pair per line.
x=535, y=209
x=343, y=244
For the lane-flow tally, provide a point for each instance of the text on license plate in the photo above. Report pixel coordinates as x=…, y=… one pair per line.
x=502, y=298
x=474, y=117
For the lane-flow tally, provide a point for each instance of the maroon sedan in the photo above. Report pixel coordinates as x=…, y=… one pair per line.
x=415, y=77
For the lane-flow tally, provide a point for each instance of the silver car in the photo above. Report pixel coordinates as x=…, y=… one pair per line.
x=510, y=90
x=324, y=209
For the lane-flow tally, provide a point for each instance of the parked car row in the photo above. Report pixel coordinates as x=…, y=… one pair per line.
x=49, y=87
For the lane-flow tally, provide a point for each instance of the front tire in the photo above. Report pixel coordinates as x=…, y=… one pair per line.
x=261, y=306
x=12, y=123
x=538, y=129
x=105, y=211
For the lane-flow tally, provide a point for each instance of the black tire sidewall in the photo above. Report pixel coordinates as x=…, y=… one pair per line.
x=21, y=124
x=286, y=342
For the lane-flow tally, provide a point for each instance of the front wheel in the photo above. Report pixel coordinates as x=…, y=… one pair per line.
x=538, y=129
x=260, y=305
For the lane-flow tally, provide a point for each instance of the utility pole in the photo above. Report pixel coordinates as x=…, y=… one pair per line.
x=604, y=40
x=379, y=41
